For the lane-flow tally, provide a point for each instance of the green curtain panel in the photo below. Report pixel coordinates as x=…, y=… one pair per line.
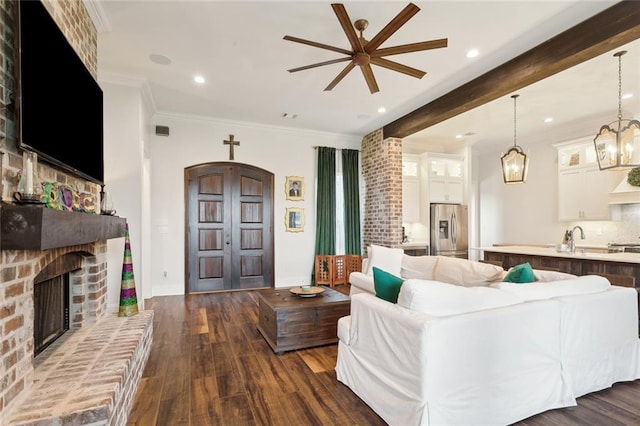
x=351, y=188
x=326, y=201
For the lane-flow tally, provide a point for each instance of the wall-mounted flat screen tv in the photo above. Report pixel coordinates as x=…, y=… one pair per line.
x=59, y=101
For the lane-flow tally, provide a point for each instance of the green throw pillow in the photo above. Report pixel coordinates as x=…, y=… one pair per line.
x=387, y=286
x=520, y=274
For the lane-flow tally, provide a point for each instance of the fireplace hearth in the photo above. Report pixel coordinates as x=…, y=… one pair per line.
x=54, y=287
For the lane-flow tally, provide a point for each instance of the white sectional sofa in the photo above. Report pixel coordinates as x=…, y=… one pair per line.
x=439, y=268
x=492, y=353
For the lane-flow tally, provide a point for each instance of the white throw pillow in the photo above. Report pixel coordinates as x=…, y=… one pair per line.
x=421, y=267
x=466, y=272
x=441, y=299
x=585, y=284
x=386, y=259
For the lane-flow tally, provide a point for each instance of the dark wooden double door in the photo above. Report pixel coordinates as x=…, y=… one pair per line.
x=229, y=215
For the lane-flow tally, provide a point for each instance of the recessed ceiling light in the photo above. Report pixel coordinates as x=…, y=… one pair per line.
x=548, y=119
x=382, y=110
x=458, y=136
x=472, y=53
x=198, y=79
x=159, y=59
x=627, y=96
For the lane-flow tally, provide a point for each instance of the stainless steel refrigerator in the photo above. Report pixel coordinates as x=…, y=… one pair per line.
x=449, y=230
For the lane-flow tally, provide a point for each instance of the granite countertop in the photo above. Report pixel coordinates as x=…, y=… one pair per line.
x=582, y=252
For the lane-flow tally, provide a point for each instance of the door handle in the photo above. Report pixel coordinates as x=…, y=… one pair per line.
x=227, y=243
x=454, y=229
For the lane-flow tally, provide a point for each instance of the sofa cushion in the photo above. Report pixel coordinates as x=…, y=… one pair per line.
x=387, y=285
x=466, y=272
x=441, y=299
x=520, y=274
x=385, y=258
x=421, y=267
x=585, y=284
x=542, y=275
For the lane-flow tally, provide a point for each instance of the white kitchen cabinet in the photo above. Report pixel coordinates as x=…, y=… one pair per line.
x=410, y=189
x=584, y=194
x=446, y=178
x=583, y=190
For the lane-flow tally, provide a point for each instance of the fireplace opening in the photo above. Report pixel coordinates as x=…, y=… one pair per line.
x=51, y=311
x=52, y=300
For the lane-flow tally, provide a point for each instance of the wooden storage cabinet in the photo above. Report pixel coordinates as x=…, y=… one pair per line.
x=288, y=322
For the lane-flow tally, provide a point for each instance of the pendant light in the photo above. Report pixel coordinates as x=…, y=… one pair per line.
x=515, y=163
x=617, y=144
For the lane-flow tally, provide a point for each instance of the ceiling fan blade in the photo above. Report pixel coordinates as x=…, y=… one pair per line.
x=320, y=45
x=319, y=64
x=393, y=26
x=340, y=76
x=370, y=78
x=412, y=47
x=385, y=63
x=350, y=32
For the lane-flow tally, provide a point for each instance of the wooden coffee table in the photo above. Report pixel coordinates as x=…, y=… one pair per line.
x=289, y=322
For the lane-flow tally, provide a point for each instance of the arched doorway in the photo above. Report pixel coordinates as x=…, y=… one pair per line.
x=228, y=227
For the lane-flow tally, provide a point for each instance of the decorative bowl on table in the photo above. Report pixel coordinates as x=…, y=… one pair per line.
x=307, y=291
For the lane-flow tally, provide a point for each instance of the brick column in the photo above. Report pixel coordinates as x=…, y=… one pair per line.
x=382, y=172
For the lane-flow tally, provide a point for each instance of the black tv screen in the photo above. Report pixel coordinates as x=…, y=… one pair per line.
x=60, y=103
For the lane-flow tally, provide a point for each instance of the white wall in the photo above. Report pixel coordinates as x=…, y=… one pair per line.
x=125, y=127
x=282, y=151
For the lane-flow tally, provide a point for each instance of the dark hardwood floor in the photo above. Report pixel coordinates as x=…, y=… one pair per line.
x=210, y=366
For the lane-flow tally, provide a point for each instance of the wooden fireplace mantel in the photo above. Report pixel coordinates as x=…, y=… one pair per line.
x=40, y=228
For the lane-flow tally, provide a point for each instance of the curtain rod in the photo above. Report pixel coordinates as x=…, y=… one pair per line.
x=337, y=149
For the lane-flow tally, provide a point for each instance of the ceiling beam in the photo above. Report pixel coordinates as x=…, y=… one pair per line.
x=611, y=28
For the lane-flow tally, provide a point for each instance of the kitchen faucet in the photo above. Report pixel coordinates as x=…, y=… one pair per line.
x=572, y=242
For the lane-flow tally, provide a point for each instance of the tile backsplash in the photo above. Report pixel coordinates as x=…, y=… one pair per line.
x=625, y=230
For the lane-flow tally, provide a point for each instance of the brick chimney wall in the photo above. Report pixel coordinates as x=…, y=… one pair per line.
x=18, y=268
x=72, y=17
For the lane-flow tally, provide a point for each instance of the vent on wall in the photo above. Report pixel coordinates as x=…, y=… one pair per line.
x=162, y=130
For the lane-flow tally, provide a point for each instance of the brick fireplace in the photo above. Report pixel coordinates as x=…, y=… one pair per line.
x=38, y=243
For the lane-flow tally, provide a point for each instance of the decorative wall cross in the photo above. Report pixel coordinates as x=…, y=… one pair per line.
x=231, y=143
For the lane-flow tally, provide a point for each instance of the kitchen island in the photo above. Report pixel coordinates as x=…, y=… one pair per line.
x=585, y=261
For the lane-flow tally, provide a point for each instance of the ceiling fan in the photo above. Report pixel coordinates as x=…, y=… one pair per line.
x=365, y=52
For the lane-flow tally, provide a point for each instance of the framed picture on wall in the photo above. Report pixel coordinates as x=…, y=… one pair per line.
x=294, y=188
x=294, y=219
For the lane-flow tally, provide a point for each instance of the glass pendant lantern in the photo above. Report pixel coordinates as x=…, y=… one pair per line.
x=617, y=144
x=515, y=163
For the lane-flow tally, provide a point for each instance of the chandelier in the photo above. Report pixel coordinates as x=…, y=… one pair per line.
x=515, y=163
x=617, y=144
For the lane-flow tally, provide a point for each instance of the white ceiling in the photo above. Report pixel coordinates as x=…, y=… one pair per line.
x=238, y=47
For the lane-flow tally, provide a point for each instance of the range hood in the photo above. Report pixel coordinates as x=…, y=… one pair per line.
x=625, y=193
